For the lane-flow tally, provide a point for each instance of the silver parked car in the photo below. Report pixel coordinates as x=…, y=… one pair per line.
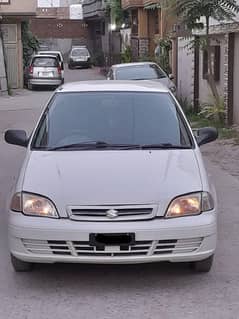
x=59, y=55
x=79, y=56
x=43, y=70
x=141, y=71
x=113, y=174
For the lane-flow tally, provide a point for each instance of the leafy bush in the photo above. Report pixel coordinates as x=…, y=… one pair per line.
x=214, y=111
x=98, y=59
x=126, y=56
x=185, y=104
x=30, y=43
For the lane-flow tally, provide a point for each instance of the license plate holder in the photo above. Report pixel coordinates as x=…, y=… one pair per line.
x=45, y=74
x=101, y=240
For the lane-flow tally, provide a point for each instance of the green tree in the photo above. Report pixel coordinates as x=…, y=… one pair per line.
x=30, y=43
x=197, y=14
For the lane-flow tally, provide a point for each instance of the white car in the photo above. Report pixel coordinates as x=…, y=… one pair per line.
x=79, y=57
x=141, y=71
x=112, y=174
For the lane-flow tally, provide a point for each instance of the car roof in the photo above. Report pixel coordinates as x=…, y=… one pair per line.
x=116, y=86
x=49, y=52
x=78, y=46
x=123, y=65
x=44, y=56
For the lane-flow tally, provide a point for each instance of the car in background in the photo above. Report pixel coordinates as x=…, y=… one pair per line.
x=113, y=174
x=141, y=71
x=43, y=70
x=58, y=54
x=79, y=57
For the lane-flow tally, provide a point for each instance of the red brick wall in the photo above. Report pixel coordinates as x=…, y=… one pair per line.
x=58, y=28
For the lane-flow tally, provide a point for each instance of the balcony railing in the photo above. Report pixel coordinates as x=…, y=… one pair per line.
x=127, y=4
x=152, y=3
x=93, y=8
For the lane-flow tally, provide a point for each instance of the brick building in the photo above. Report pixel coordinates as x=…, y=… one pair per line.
x=147, y=21
x=56, y=29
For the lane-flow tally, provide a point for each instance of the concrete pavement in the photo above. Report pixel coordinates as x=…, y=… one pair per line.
x=154, y=291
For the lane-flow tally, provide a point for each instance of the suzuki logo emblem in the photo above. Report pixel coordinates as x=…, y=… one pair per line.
x=112, y=213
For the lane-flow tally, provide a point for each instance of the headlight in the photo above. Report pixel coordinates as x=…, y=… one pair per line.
x=188, y=205
x=33, y=205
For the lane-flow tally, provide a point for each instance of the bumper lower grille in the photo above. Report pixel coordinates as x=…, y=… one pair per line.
x=83, y=248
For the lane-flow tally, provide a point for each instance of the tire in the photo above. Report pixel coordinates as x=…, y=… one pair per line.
x=70, y=67
x=203, y=265
x=20, y=266
x=29, y=86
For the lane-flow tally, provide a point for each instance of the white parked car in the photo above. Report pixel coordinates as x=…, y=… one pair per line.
x=113, y=174
x=141, y=71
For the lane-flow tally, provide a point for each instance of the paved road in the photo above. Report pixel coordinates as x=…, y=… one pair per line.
x=156, y=291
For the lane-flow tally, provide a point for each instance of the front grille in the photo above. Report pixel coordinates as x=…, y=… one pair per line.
x=83, y=248
x=113, y=214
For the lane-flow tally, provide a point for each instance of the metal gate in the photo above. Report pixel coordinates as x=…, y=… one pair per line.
x=10, y=44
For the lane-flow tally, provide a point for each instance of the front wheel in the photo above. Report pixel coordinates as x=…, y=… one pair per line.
x=203, y=265
x=20, y=266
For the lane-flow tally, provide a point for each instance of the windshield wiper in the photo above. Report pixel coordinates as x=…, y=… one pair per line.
x=94, y=145
x=167, y=146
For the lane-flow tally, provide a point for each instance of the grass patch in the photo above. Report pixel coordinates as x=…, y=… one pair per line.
x=197, y=121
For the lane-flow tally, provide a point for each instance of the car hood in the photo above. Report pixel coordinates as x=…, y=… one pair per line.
x=166, y=81
x=112, y=177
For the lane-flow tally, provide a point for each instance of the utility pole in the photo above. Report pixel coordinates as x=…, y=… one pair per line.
x=3, y=65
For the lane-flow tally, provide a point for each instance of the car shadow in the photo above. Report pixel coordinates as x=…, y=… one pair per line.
x=108, y=277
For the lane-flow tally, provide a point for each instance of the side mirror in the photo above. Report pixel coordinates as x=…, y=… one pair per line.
x=171, y=77
x=16, y=137
x=206, y=135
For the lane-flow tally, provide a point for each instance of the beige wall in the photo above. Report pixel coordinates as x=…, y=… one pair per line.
x=185, y=71
x=19, y=7
x=236, y=81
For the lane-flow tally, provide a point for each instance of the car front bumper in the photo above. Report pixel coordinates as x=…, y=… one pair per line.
x=43, y=240
x=45, y=81
x=80, y=63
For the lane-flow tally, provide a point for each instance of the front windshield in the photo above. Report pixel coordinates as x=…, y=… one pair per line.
x=132, y=118
x=140, y=72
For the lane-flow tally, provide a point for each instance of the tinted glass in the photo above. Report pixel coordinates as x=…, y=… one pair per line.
x=140, y=72
x=80, y=52
x=45, y=62
x=112, y=117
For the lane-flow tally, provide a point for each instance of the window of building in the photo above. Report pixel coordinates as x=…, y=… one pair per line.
x=156, y=23
x=134, y=21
